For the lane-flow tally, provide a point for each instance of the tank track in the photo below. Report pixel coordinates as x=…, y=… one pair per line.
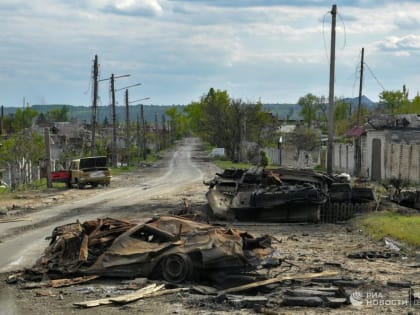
x=333, y=212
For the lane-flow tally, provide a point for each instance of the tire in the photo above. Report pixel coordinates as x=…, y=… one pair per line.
x=79, y=185
x=177, y=268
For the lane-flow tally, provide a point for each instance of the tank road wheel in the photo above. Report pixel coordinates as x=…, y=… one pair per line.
x=177, y=268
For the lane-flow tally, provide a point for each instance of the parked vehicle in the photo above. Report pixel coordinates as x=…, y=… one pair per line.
x=85, y=171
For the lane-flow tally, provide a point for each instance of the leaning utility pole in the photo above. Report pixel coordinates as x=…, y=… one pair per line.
x=358, y=145
x=127, y=128
x=94, y=103
x=331, y=94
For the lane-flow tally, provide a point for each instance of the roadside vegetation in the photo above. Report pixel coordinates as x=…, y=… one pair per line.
x=403, y=228
x=224, y=164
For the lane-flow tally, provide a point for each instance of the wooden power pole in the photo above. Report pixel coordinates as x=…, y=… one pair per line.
x=143, y=124
x=114, y=124
x=1, y=120
x=94, y=103
x=358, y=145
x=48, y=156
x=359, y=104
x=331, y=94
x=127, y=128
x=138, y=139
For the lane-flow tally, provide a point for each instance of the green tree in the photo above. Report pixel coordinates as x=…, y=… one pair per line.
x=310, y=105
x=226, y=122
x=23, y=118
x=23, y=149
x=58, y=114
x=393, y=101
x=177, y=122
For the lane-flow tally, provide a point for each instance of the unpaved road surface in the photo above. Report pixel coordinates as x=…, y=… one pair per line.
x=160, y=189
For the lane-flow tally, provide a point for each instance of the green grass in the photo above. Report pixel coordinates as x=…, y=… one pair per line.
x=228, y=164
x=404, y=228
x=224, y=164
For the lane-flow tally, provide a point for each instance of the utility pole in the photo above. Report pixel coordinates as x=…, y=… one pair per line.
x=114, y=117
x=157, y=133
x=94, y=103
x=47, y=156
x=114, y=124
x=127, y=128
x=357, y=147
x=144, y=132
x=138, y=139
x=1, y=120
x=359, y=104
x=163, y=131
x=331, y=94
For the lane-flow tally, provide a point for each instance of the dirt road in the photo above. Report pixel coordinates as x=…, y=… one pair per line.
x=19, y=250
x=305, y=248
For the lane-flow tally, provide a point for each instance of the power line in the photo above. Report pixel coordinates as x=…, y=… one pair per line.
x=323, y=37
x=344, y=28
x=371, y=72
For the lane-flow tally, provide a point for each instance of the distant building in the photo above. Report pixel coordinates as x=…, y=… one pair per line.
x=390, y=148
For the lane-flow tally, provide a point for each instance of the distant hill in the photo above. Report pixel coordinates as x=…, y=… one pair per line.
x=291, y=111
x=355, y=101
x=83, y=113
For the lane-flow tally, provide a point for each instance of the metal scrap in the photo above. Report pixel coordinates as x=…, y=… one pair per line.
x=168, y=247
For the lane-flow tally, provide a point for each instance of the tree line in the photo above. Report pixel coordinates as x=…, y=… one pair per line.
x=225, y=122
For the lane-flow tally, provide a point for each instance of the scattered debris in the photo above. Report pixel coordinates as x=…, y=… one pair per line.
x=58, y=283
x=370, y=255
x=243, y=301
x=391, y=244
x=275, y=280
x=399, y=284
x=151, y=290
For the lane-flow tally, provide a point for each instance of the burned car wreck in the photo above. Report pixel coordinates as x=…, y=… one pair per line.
x=285, y=195
x=168, y=247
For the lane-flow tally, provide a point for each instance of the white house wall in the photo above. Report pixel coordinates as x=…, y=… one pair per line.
x=343, y=158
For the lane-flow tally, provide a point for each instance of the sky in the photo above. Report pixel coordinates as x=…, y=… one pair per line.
x=275, y=51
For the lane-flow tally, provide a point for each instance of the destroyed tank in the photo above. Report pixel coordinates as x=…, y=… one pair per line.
x=285, y=195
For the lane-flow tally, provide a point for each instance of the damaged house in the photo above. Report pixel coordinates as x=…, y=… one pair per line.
x=390, y=148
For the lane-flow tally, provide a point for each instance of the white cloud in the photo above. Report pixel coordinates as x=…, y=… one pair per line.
x=187, y=45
